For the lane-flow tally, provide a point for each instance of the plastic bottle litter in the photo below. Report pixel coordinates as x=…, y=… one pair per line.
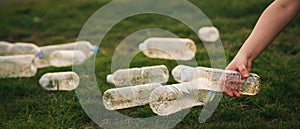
x=170, y=99
x=4, y=48
x=59, y=81
x=62, y=58
x=125, y=97
x=86, y=47
x=250, y=86
x=20, y=48
x=17, y=66
x=169, y=48
x=138, y=76
x=209, y=34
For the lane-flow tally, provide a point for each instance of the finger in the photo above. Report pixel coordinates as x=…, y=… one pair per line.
x=243, y=70
x=228, y=90
x=237, y=93
x=229, y=93
x=221, y=84
x=225, y=85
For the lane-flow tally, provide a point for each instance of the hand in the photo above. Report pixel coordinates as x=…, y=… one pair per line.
x=241, y=64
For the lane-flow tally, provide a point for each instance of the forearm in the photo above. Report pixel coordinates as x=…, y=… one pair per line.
x=268, y=26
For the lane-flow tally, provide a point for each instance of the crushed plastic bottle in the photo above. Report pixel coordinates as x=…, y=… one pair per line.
x=170, y=99
x=17, y=66
x=63, y=81
x=126, y=97
x=63, y=58
x=209, y=34
x=138, y=76
x=20, y=48
x=86, y=47
x=169, y=48
x=4, y=48
x=250, y=86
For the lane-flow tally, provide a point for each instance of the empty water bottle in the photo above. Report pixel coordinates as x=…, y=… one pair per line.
x=170, y=99
x=4, y=48
x=20, y=48
x=86, y=47
x=125, y=97
x=62, y=58
x=137, y=76
x=59, y=81
x=250, y=86
x=169, y=48
x=209, y=34
x=25, y=48
x=17, y=66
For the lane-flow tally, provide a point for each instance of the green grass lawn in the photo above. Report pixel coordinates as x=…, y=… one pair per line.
x=24, y=104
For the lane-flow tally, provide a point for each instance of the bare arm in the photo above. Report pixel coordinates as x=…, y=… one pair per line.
x=275, y=18
x=269, y=25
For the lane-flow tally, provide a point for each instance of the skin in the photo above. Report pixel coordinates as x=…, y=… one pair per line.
x=271, y=22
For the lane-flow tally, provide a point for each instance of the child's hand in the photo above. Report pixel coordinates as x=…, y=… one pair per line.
x=233, y=86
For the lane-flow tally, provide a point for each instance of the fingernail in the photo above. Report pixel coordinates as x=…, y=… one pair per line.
x=229, y=94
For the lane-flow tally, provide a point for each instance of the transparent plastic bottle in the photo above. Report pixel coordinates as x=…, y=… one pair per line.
x=170, y=99
x=20, y=48
x=250, y=86
x=138, y=76
x=62, y=58
x=169, y=48
x=86, y=47
x=59, y=81
x=125, y=97
x=209, y=34
x=4, y=48
x=17, y=66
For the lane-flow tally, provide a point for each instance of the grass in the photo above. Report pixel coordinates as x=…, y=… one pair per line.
x=24, y=104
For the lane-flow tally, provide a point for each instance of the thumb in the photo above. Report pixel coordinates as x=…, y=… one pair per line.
x=244, y=71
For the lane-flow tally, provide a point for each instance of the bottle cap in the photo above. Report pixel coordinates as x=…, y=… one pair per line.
x=40, y=54
x=44, y=82
x=189, y=54
x=142, y=47
x=186, y=75
x=110, y=78
x=176, y=74
x=209, y=34
x=95, y=49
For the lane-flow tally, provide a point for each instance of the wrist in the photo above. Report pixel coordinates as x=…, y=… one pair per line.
x=249, y=56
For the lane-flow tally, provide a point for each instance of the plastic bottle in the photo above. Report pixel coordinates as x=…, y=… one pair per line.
x=62, y=58
x=209, y=34
x=59, y=81
x=17, y=66
x=86, y=47
x=138, y=76
x=20, y=48
x=170, y=99
x=169, y=48
x=250, y=86
x=125, y=97
x=4, y=48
